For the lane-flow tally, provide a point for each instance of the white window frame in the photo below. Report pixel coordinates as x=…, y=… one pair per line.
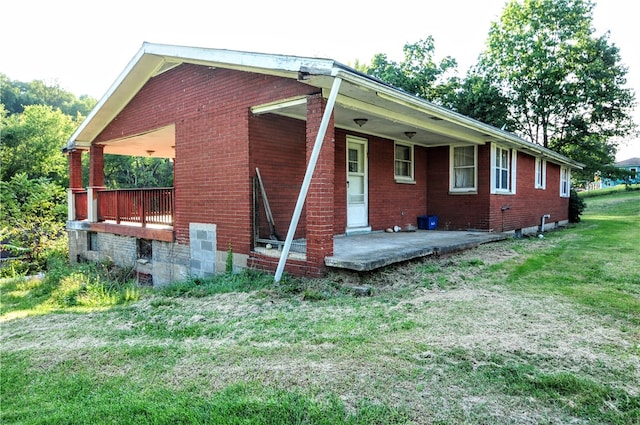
x=452, y=170
x=541, y=173
x=565, y=182
x=510, y=168
x=399, y=178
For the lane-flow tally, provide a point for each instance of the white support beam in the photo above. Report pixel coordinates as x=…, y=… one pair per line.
x=278, y=105
x=311, y=166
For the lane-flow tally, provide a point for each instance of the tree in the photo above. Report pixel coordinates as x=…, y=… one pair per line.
x=16, y=95
x=32, y=141
x=137, y=171
x=31, y=220
x=478, y=98
x=565, y=86
x=418, y=74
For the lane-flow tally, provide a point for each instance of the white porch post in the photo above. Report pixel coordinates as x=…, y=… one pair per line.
x=71, y=205
x=92, y=204
x=307, y=177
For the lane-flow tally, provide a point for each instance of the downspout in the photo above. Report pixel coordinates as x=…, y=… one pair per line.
x=544, y=217
x=315, y=153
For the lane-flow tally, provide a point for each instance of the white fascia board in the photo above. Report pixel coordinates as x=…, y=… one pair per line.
x=152, y=57
x=233, y=59
x=128, y=75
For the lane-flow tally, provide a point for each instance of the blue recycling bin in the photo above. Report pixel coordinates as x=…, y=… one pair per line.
x=432, y=222
x=427, y=222
x=423, y=222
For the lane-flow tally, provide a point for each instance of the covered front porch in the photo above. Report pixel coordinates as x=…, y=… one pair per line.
x=370, y=251
x=374, y=250
x=143, y=213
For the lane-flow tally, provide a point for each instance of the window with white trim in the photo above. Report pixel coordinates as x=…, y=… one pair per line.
x=403, y=163
x=503, y=166
x=541, y=173
x=464, y=171
x=565, y=181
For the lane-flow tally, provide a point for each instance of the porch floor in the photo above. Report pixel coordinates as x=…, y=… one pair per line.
x=374, y=250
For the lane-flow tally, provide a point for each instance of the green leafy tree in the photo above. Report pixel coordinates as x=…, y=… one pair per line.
x=478, y=98
x=32, y=220
x=35, y=122
x=17, y=95
x=136, y=171
x=564, y=84
x=31, y=144
x=418, y=73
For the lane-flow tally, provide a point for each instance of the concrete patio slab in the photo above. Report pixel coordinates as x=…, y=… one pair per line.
x=379, y=249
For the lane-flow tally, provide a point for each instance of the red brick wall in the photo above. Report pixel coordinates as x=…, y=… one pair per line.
x=210, y=109
x=320, y=199
x=96, y=166
x=75, y=169
x=282, y=148
x=340, y=190
x=278, y=150
x=457, y=211
x=215, y=163
x=529, y=204
x=484, y=211
x=390, y=203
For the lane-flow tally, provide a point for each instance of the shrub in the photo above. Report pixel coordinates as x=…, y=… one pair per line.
x=89, y=285
x=576, y=207
x=32, y=221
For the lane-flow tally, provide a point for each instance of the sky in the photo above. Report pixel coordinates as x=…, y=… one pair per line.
x=84, y=46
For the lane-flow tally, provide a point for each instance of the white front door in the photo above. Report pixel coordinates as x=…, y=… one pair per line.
x=357, y=193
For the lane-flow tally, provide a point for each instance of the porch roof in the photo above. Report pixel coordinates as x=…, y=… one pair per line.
x=389, y=112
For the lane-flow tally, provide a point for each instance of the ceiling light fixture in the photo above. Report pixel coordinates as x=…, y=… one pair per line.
x=410, y=134
x=360, y=121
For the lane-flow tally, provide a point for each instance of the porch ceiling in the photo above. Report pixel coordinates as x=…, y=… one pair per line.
x=159, y=143
x=385, y=117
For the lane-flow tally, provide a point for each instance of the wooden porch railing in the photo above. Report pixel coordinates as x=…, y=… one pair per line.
x=143, y=206
x=81, y=205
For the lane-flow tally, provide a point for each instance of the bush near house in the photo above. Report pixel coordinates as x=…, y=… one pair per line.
x=576, y=206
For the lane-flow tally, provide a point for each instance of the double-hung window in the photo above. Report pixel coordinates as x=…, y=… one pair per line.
x=403, y=163
x=463, y=173
x=503, y=165
x=541, y=173
x=565, y=182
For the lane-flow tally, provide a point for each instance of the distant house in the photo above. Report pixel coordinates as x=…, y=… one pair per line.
x=379, y=157
x=632, y=165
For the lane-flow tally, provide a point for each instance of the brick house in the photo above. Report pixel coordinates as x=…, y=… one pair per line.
x=379, y=158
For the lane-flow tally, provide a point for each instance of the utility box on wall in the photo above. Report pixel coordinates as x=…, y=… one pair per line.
x=428, y=222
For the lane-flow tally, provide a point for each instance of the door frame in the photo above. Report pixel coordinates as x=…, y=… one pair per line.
x=350, y=230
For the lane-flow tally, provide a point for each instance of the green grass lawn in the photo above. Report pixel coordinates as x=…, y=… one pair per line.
x=516, y=332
